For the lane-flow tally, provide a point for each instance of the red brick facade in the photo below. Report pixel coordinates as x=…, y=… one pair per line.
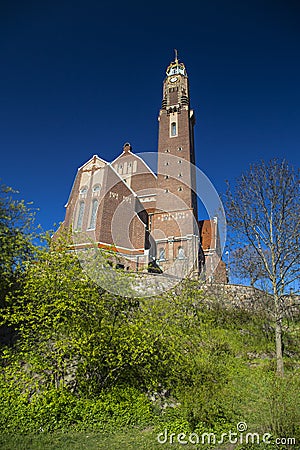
x=143, y=215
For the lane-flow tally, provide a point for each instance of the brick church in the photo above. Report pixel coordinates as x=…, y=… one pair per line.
x=147, y=217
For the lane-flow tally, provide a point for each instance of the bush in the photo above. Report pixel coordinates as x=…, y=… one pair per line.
x=59, y=409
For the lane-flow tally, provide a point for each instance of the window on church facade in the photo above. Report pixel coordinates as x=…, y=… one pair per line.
x=181, y=253
x=173, y=129
x=83, y=191
x=93, y=214
x=96, y=188
x=162, y=255
x=80, y=215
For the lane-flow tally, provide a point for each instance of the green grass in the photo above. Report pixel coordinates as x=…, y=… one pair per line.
x=133, y=439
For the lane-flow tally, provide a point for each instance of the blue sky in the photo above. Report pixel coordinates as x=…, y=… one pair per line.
x=81, y=78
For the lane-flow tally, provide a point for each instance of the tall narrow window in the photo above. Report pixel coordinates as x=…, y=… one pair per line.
x=173, y=129
x=181, y=253
x=93, y=214
x=162, y=255
x=80, y=215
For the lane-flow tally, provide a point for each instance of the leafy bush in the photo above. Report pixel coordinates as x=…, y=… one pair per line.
x=59, y=409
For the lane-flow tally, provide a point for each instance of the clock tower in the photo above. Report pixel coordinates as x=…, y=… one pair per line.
x=174, y=224
x=176, y=154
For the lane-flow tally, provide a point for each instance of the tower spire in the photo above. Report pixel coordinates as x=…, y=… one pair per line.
x=176, y=55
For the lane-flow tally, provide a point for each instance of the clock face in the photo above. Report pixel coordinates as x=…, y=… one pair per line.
x=173, y=79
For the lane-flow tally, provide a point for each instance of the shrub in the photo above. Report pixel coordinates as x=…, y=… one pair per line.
x=59, y=409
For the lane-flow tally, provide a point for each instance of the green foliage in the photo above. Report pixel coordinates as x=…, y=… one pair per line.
x=59, y=409
x=16, y=235
x=87, y=359
x=73, y=334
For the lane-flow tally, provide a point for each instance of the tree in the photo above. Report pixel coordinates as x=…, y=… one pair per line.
x=16, y=235
x=74, y=334
x=17, y=232
x=263, y=212
x=247, y=264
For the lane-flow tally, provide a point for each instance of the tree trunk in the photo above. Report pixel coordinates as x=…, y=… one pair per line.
x=279, y=355
x=278, y=337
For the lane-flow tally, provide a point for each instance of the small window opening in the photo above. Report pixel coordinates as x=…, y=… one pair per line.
x=181, y=253
x=162, y=255
x=173, y=129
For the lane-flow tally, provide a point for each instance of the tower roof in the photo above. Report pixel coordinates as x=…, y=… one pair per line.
x=176, y=67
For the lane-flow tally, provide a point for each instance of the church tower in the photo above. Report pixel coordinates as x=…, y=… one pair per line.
x=174, y=224
x=176, y=153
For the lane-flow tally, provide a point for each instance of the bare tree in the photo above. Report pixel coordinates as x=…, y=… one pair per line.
x=247, y=264
x=263, y=211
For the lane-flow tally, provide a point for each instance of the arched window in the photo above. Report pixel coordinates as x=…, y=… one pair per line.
x=80, y=215
x=96, y=188
x=83, y=191
x=181, y=253
x=162, y=255
x=93, y=214
x=173, y=129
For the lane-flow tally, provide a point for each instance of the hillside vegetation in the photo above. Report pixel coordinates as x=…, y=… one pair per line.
x=79, y=360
